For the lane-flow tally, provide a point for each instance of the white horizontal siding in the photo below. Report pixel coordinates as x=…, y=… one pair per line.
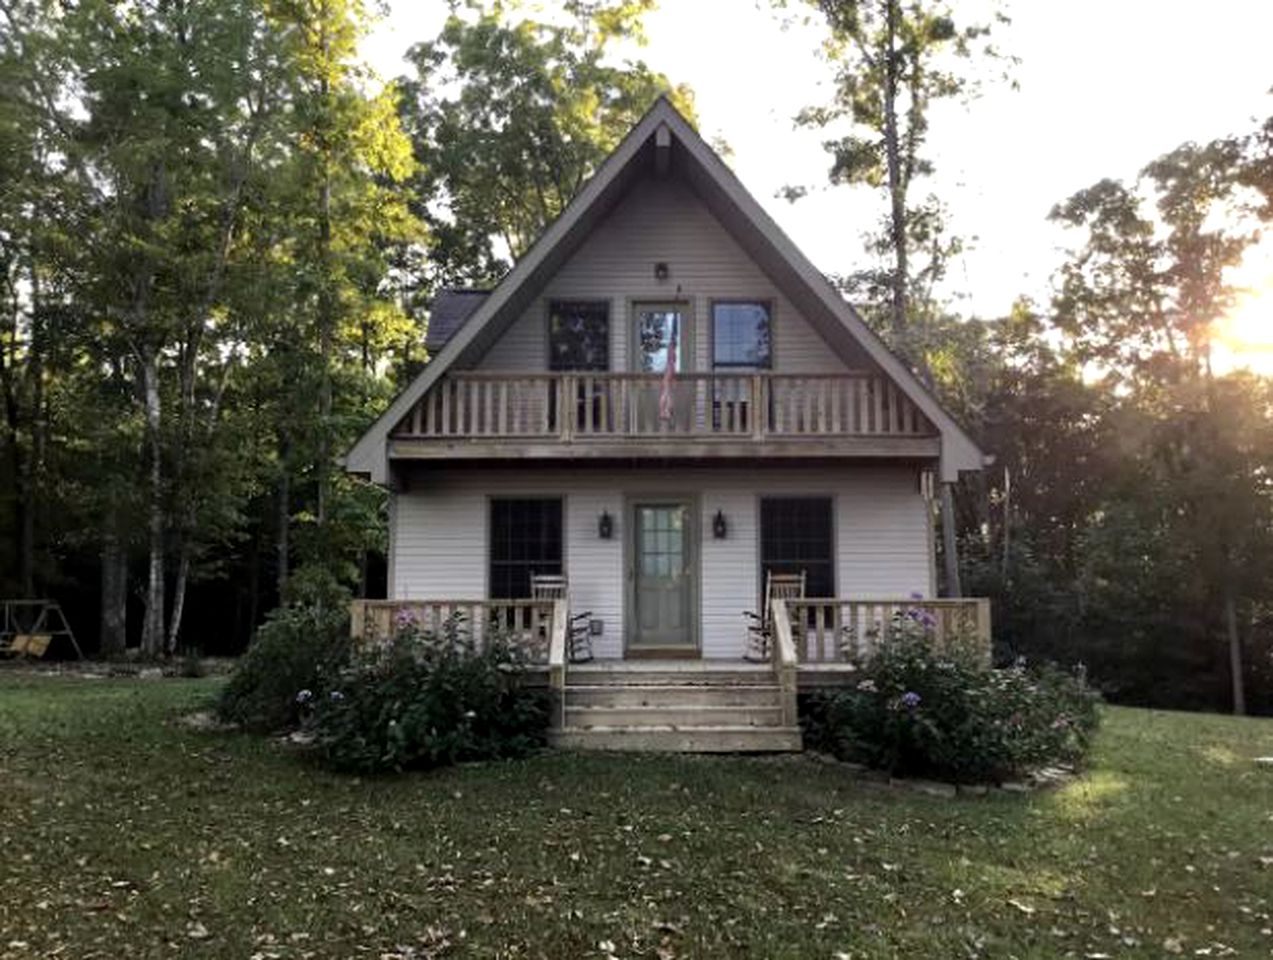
x=663, y=221
x=439, y=537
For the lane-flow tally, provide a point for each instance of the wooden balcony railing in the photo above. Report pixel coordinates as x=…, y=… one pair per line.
x=831, y=630
x=606, y=406
x=526, y=624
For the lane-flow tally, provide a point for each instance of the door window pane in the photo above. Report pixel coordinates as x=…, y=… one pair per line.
x=526, y=540
x=654, y=327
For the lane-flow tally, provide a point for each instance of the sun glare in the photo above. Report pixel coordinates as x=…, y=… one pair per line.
x=1245, y=337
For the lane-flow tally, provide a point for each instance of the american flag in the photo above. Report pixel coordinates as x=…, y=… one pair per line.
x=666, y=410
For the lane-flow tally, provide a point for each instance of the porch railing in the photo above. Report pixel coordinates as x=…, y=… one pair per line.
x=584, y=406
x=827, y=630
x=526, y=624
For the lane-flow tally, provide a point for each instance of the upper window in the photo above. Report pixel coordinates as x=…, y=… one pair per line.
x=741, y=335
x=578, y=335
x=525, y=541
x=796, y=536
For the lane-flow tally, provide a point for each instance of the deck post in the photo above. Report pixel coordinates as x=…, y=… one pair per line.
x=566, y=404
x=983, y=626
x=357, y=619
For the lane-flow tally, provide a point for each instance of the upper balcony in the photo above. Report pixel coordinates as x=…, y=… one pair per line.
x=579, y=415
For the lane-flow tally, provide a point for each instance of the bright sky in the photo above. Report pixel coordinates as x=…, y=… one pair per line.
x=1105, y=87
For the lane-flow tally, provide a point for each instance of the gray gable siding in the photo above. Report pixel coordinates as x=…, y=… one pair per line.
x=663, y=220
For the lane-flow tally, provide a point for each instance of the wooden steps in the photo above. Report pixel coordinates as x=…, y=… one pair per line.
x=674, y=707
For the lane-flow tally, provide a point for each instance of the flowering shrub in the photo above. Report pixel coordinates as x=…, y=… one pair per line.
x=426, y=699
x=298, y=648
x=920, y=711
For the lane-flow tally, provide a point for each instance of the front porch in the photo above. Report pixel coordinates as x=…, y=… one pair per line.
x=686, y=705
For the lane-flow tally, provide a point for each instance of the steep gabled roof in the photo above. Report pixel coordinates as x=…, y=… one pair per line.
x=754, y=230
x=449, y=311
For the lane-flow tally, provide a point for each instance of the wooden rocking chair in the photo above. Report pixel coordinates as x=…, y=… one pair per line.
x=778, y=586
x=578, y=634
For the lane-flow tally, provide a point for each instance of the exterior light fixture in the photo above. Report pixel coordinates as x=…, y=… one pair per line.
x=660, y=271
x=605, y=526
x=719, y=527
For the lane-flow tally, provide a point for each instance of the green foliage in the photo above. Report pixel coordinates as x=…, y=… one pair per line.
x=920, y=711
x=893, y=61
x=510, y=115
x=425, y=700
x=298, y=648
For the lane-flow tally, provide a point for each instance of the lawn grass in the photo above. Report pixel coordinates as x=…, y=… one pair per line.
x=123, y=834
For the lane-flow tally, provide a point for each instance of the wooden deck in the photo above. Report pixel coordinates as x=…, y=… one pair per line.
x=683, y=705
x=611, y=414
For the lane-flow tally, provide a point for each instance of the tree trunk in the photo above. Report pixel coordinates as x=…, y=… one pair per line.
x=35, y=459
x=283, y=518
x=949, y=542
x=326, y=320
x=1235, y=652
x=1007, y=524
x=178, y=599
x=152, y=634
x=113, y=635
x=254, y=591
x=896, y=187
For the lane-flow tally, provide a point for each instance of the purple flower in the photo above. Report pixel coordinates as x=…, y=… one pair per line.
x=405, y=619
x=337, y=696
x=304, y=696
x=911, y=699
x=923, y=616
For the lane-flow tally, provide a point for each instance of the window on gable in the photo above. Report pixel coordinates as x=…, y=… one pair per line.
x=579, y=335
x=526, y=540
x=741, y=335
x=797, y=535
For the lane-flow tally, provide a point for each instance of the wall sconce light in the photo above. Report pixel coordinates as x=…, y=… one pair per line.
x=605, y=526
x=719, y=527
x=660, y=271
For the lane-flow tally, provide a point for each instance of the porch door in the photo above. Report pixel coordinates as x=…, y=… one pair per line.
x=653, y=328
x=663, y=585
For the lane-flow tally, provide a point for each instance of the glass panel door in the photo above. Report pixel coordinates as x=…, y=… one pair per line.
x=654, y=325
x=663, y=581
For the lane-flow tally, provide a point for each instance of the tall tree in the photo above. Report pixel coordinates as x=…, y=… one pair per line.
x=175, y=101
x=509, y=116
x=894, y=59
x=346, y=213
x=1139, y=302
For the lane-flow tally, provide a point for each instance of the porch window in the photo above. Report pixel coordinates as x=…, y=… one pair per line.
x=579, y=335
x=526, y=540
x=741, y=336
x=797, y=534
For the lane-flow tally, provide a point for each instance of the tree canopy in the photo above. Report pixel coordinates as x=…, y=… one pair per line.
x=220, y=235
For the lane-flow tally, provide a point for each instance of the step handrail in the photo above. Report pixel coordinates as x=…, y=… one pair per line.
x=557, y=656
x=784, y=658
